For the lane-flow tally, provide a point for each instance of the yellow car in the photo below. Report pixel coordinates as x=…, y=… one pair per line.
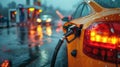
x=94, y=40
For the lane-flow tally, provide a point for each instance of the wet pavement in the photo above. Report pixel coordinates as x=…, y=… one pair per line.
x=31, y=46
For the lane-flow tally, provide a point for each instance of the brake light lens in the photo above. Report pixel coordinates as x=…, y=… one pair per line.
x=102, y=40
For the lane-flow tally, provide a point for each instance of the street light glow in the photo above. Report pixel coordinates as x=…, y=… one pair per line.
x=40, y=10
x=31, y=9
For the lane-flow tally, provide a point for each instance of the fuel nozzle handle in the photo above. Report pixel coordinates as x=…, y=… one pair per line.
x=70, y=31
x=76, y=31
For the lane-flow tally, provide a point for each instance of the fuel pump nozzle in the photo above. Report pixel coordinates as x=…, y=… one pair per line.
x=73, y=29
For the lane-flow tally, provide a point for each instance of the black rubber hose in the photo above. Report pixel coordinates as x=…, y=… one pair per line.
x=56, y=52
x=60, y=42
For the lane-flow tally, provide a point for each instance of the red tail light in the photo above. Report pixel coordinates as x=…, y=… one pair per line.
x=102, y=40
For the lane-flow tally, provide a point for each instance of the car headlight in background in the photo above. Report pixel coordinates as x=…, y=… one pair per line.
x=39, y=20
x=49, y=20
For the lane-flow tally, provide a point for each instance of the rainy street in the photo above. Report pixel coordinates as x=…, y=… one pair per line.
x=31, y=46
x=59, y=33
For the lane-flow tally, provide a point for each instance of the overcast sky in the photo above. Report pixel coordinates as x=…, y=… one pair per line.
x=63, y=4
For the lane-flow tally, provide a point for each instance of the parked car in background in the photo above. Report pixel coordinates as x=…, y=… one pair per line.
x=44, y=19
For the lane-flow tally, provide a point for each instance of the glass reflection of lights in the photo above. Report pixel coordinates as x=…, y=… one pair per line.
x=39, y=32
x=44, y=56
x=48, y=30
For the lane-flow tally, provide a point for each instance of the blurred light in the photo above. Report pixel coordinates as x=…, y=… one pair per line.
x=5, y=63
x=92, y=38
x=15, y=12
x=98, y=38
x=59, y=26
x=39, y=20
x=31, y=9
x=49, y=20
x=88, y=1
x=45, y=15
x=114, y=40
x=48, y=30
x=92, y=33
x=104, y=39
x=32, y=32
x=40, y=10
x=39, y=32
x=32, y=36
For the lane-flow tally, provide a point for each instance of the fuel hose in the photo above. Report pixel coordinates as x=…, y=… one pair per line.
x=60, y=42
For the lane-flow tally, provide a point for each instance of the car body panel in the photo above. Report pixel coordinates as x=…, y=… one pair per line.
x=82, y=60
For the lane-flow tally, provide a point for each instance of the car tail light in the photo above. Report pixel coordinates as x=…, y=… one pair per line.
x=102, y=40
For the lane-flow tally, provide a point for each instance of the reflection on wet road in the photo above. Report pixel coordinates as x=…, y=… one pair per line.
x=30, y=46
